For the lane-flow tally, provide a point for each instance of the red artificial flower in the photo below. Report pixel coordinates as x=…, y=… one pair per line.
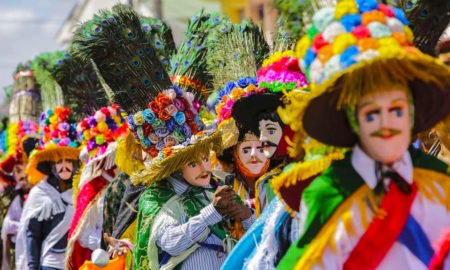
x=146, y=129
x=164, y=115
x=154, y=107
x=192, y=126
x=153, y=151
x=105, y=111
x=162, y=100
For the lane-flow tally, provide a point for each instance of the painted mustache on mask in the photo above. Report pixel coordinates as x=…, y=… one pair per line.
x=64, y=169
x=254, y=160
x=386, y=133
x=203, y=175
x=269, y=144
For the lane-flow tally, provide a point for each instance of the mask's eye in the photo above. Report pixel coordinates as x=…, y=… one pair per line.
x=370, y=115
x=206, y=159
x=192, y=164
x=245, y=151
x=398, y=111
x=271, y=131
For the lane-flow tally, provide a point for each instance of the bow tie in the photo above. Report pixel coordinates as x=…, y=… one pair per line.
x=401, y=183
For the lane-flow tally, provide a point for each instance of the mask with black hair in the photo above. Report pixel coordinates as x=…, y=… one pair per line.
x=272, y=134
x=64, y=169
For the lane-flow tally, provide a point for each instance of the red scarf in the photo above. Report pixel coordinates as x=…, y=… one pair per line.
x=382, y=232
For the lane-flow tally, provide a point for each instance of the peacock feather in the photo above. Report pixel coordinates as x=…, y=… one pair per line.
x=282, y=39
x=43, y=66
x=188, y=66
x=238, y=53
x=161, y=37
x=124, y=56
x=427, y=18
x=296, y=15
x=81, y=88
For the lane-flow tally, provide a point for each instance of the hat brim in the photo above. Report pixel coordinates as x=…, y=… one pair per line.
x=159, y=169
x=38, y=168
x=246, y=110
x=325, y=122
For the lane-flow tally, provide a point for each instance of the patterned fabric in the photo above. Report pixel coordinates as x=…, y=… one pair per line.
x=335, y=185
x=113, y=199
x=151, y=202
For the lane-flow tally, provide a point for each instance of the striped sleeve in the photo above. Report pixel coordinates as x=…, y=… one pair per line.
x=176, y=237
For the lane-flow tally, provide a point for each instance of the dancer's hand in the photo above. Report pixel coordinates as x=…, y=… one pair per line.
x=238, y=211
x=116, y=248
x=222, y=199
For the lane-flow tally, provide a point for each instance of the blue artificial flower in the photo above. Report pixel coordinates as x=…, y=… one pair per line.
x=186, y=131
x=149, y=116
x=309, y=57
x=171, y=124
x=229, y=86
x=177, y=91
x=400, y=15
x=347, y=57
x=243, y=82
x=131, y=121
x=146, y=142
x=366, y=5
x=253, y=81
x=350, y=21
x=180, y=118
x=160, y=145
x=162, y=132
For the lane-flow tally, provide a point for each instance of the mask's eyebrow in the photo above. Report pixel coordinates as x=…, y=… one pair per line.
x=398, y=100
x=367, y=103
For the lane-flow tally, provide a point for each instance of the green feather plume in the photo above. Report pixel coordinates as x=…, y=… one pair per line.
x=124, y=56
x=237, y=54
x=81, y=88
x=43, y=66
x=202, y=32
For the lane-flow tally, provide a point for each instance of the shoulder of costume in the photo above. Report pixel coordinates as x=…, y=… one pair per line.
x=428, y=162
x=322, y=197
x=156, y=195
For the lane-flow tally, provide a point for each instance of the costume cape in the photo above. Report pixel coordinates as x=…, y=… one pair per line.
x=337, y=186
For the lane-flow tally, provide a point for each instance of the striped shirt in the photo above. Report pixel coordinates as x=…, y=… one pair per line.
x=176, y=236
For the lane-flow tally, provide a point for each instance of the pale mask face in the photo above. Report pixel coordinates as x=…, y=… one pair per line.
x=385, y=126
x=198, y=173
x=270, y=136
x=64, y=169
x=20, y=176
x=251, y=154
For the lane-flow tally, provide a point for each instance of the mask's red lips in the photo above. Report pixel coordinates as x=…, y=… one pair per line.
x=386, y=133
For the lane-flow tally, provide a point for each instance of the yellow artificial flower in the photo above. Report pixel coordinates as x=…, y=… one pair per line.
x=345, y=7
x=342, y=42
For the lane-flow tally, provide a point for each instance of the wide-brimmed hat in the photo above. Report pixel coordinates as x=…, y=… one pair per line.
x=161, y=116
x=18, y=133
x=58, y=140
x=279, y=74
x=99, y=135
x=359, y=47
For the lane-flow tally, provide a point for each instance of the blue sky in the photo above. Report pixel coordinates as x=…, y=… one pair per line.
x=27, y=28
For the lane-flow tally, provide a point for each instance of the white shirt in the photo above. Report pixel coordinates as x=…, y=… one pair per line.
x=432, y=217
